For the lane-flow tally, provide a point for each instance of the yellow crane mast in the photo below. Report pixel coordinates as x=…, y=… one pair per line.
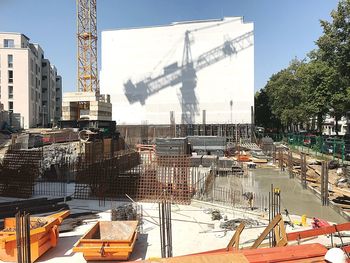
x=87, y=77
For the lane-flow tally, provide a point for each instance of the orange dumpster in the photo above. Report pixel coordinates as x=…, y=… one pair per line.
x=108, y=240
x=43, y=236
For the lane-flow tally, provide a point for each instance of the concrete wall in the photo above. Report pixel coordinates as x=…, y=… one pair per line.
x=221, y=85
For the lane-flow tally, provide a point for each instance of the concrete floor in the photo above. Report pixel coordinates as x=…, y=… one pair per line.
x=193, y=231
x=294, y=198
x=192, y=227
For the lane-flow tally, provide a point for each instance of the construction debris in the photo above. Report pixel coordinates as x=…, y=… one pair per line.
x=34, y=224
x=124, y=213
x=234, y=223
x=216, y=215
x=75, y=220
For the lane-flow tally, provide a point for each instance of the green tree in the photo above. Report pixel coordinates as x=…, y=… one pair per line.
x=263, y=113
x=319, y=81
x=286, y=96
x=334, y=49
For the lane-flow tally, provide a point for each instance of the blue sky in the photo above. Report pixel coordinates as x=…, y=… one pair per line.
x=284, y=29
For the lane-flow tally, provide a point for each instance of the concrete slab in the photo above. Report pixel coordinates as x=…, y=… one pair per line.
x=193, y=230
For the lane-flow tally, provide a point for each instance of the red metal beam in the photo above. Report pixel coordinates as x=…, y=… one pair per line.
x=318, y=231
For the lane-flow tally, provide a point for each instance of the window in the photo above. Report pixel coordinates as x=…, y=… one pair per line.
x=44, y=77
x=31, y=65
x=10, y=92
x=9, y=43
x=10, y=73
x=10, y=61
x=10, y=106
x=43, y=64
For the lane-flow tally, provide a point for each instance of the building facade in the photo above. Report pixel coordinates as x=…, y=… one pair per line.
x=25, y=83
x=329, y=126
x=58, y=110
x=196, y=72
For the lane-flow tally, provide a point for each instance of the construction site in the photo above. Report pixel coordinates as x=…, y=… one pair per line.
x=148, y=166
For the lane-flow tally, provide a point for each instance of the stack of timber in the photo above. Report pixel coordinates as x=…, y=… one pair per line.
x=33, y=206
x=108, y=240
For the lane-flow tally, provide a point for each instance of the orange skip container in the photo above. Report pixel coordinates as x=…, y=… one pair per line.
x=108, y=240
x=41, y=239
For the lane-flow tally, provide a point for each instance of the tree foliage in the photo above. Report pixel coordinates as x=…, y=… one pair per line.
x=286, y=95
x=318, y=85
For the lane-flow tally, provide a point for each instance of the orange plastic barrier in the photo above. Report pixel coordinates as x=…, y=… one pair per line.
x=108, y=240
x=41, y=239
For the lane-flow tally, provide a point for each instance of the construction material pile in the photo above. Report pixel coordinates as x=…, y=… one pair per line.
x=124, y=213
x=234, y=223
x=33, y=206
x=34, y=224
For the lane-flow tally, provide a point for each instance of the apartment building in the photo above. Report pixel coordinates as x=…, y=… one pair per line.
x=58, y=110
x=27, y=82
x=49, y=75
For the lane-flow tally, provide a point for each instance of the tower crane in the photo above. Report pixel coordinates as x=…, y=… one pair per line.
x=186, y=73
x=87, y=77
x=87, y=108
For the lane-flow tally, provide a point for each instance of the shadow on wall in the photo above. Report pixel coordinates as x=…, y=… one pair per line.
x=186, y=75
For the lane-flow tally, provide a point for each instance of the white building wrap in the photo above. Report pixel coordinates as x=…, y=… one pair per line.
x=195, y=72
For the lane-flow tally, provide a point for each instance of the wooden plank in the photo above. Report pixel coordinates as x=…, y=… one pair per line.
x=287, y=249
x=317, y=231
x=266, y=231
x=308, y=260
x=283, y=254
x=346, y=249
x=222, y=258
x=235, y=238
